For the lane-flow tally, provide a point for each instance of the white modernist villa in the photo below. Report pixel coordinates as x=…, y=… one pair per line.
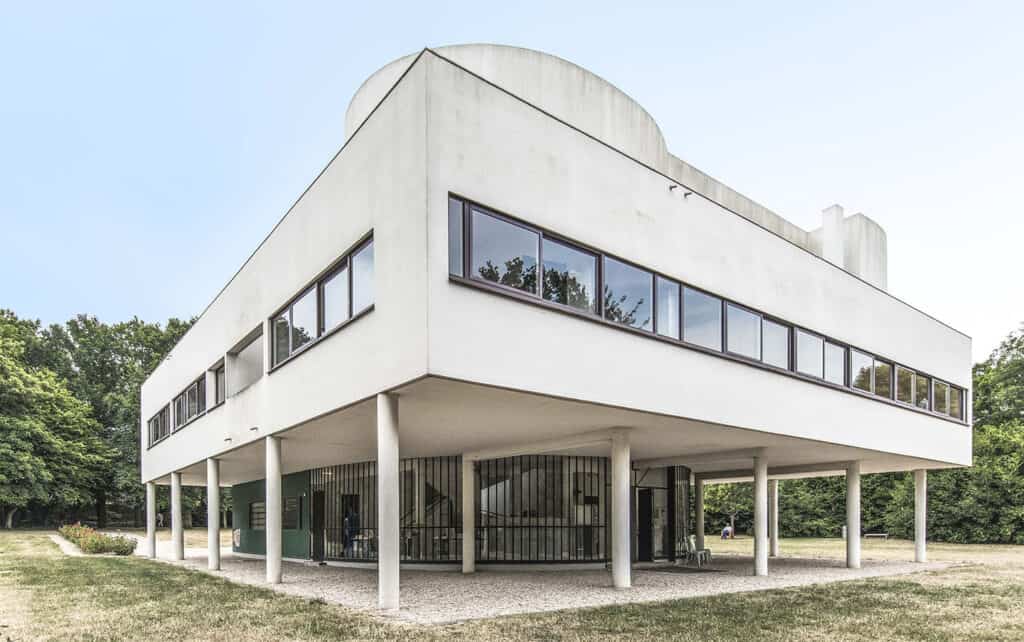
x=506, y=325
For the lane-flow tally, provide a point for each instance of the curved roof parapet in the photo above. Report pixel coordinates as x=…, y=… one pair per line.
x=559, y=87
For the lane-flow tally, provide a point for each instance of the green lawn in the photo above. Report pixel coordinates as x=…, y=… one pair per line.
x=44, y=595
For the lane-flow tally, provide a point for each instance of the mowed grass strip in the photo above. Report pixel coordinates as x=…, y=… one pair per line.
x=46, y=596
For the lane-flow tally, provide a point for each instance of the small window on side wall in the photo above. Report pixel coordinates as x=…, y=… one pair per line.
x=956, y=402
x=810, y=354
x=335, y=299
x=921, y=386
x=702, y=319
x=362, y=278
x=940, y=394
x=455, y=236
x=743, y=332
x=570, y=276
x=835, y=364
x=775, y=342
x=904, y=385
x=628, y=292
x=861, y=368
x=883, y=379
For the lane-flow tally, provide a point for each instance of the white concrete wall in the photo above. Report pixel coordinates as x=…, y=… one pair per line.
x=376, y=182
x=495, y=149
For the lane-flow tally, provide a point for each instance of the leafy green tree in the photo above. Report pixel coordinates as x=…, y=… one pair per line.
x=50, y=452
x=729, y=503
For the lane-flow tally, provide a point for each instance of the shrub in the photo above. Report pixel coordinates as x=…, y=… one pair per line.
x=91, y=541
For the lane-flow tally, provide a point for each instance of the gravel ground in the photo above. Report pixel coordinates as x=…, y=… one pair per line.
x=434, y=597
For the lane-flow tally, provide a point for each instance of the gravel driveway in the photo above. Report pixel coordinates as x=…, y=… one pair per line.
x=433, y=597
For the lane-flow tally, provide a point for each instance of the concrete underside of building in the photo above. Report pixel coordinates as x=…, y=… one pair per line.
x=504, y=282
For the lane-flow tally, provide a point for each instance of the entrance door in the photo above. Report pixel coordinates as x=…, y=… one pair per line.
x=645, y=525
x=318, y=529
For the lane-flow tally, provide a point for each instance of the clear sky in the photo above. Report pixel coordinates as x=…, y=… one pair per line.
x=146, y=150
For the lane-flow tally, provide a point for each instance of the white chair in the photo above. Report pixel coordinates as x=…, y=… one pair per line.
x=701, y=556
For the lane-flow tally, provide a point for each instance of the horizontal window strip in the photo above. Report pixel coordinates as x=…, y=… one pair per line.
x=508, y=255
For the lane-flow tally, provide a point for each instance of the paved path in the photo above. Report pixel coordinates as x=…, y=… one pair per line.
x=66, y=547
x=434, y=597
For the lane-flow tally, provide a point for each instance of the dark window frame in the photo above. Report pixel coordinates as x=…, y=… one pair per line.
x=317, y=283
x=161, y=422
x=508, y=292
x=760, y=330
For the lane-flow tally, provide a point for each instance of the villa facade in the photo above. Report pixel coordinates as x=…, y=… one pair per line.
x=504, y=308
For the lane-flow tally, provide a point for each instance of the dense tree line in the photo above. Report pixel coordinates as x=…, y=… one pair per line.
x=983, y=503
x=69, y=418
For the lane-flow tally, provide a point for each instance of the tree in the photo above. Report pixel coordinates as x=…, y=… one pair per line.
x=734, y=502
x=49, y=449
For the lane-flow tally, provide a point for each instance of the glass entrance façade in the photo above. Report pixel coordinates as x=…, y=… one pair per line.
x=532, y=508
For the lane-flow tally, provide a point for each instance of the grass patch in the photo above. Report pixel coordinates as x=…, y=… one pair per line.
x=47, y=596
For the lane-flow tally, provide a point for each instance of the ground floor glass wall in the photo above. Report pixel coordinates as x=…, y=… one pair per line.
x=532, y=508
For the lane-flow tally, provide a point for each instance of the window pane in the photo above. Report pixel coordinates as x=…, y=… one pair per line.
x=281, y=338
x=667, y=323
x=809, y=354
x=860, y=370
x=883, y=380
x=291, y=514
x=627, y=294
x=455, y=237
x=954, y=402
x=192, y=405
x=835, y=364
x=921, y=392
x=941, y=391
x=776, y=344
x=201, y=394
x=335, y=293
x=570, y=276
x=304, y=319
x=904, y=385
x=504, y=253
x=362, y=279
x=220, y=385
x=743, y=332
x=702, y=319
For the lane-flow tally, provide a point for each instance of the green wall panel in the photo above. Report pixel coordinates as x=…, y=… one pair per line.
x=294, y=542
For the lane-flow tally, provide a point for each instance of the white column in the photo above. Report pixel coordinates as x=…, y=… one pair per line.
x=151, y=518
x=853, y=515
x=698, y=497
x=272, y=507
x=213, y=514
x=177, y=527
x=468, y=517
x=760, y=516
x=621, y=561
x=921, y=515
x=773, y=517
x=388, y=515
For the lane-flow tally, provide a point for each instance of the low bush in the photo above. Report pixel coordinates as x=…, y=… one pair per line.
x=91, y=541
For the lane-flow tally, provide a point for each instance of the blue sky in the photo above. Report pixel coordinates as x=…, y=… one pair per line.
x=147, y=150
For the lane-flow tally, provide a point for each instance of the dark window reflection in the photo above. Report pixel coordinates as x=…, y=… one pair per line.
x=883, y=379
x=304, y=319
x=570, y=276
x=281, y=341
x=921, y=392
x=904, y=385
x=702, y=319
x=860, y=370
x=941, y=393
x=504, y=253
x=954, y=403
x=627, y=294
